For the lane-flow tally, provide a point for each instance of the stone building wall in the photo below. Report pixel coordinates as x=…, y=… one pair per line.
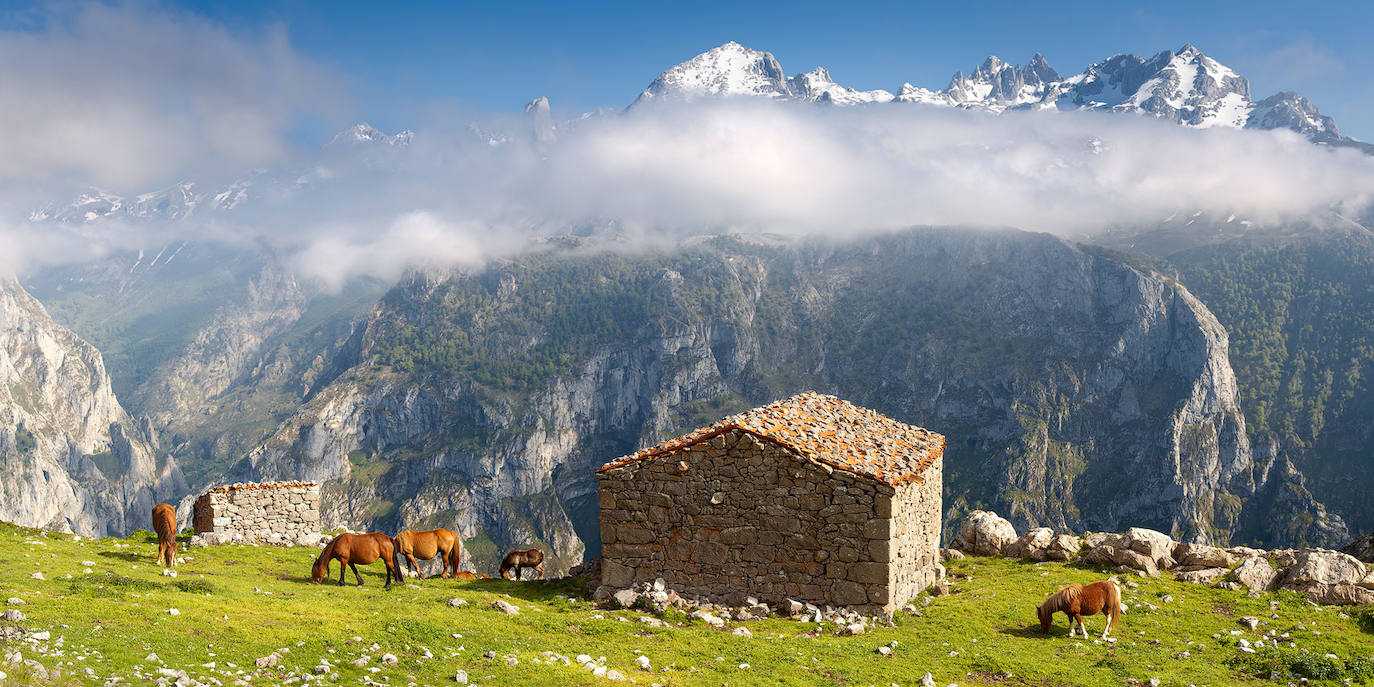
x=916, y=509
x=273, y=513
x=738, y=516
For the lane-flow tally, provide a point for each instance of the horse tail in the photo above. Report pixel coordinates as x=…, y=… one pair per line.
x=454, y=554
x=1112, y=609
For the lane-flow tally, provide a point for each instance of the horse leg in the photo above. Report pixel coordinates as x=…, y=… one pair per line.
x=414, y=565
x=355, y=572
x=540, y=569
x=343, y=570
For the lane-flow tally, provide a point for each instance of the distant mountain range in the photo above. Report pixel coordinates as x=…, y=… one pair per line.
x=1186, y=87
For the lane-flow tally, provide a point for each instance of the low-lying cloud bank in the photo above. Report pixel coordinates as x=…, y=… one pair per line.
x=468, y=188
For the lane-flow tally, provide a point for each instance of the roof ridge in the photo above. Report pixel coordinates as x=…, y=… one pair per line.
x=825, y=429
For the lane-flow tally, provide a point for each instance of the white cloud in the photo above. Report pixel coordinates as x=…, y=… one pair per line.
x=656, y=174
x=125, y=96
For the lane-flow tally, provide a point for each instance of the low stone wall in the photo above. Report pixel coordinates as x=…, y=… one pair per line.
x=271, y=513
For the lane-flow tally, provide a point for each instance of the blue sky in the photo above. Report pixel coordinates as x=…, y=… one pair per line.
x=399, y=62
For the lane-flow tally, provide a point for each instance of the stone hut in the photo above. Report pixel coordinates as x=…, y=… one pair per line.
x=811, y=498
x=270, y=512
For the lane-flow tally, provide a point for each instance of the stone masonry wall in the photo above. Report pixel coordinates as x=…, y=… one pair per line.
x=738, y=516
x=916, y=512
x=274, y=513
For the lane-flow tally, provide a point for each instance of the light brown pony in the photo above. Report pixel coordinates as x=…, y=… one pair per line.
x=1078, y=600
x=519, y=560
x=352, y=549
x=165, y=524
x=427, y=545
x=466, y=575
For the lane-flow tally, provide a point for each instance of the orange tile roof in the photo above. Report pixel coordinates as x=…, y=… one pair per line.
x=826, y=429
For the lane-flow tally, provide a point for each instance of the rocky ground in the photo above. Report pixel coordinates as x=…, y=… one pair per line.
x=98, y=612
x=1325, y=576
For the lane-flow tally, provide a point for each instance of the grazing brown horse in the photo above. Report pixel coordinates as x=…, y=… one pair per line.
x=352, y=549
x=426, y=545
x=519, y=560
x=1078, y=600
x=165, y=524
x=465, y=575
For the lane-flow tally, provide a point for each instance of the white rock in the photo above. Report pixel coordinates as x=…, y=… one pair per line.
x=173, y=611
x=583, y=658
x=389, y=659
x=269, y=660
x=16, y=601
x=504, y=607
x=643, y=662
x=615, y=676
x=38, y=576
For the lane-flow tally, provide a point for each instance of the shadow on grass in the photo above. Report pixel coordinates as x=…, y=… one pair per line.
x=1033, y=632
x=151, y=559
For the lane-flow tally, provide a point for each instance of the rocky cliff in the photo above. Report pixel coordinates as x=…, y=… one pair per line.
x=73, y=459
x=1060, y=374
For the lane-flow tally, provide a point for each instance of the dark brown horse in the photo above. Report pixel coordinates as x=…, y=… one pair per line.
x=519, y=560
x=165, y=524
x=352, y=549
x=1078, y=600
x=427, y=545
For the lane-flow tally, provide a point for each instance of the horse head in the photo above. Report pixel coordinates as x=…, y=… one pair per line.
x=1046, y=617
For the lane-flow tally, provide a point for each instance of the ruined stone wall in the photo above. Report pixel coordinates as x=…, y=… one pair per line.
x=737, y=516
x=273, y=513
x=916, y=510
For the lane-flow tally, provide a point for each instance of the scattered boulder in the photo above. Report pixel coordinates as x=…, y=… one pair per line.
x=1319, y=566
x=1147, y=542
x=947, y=555
x=1328, y=577
x=625, y=598
x=505, y=607
x=984, y=532
x=457, y=602
x=1107, y=554
x=1255, y=574
x=1249, y=621
x=1362, y=548
x=1034, y=544
x=1096, y=539
x=1064, y=547
x=461, y=677
x=1340, y=595
x=1198, y=556
x=1202, y=575
x=269, y=660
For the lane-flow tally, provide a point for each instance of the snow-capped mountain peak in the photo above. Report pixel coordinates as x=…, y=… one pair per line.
x=1187, y=87
x=730, y=69
x=996, y=85
x=365, y=133
x=816, y=85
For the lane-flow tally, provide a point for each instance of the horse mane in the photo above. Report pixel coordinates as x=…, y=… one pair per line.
x=328, y=552
x=1062, y=598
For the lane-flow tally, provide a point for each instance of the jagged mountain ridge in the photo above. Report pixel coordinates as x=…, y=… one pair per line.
x=1186, y=87
x=488, y=399
x=73, y=459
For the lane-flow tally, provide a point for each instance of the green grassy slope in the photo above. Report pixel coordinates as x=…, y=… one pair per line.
x=239, y=603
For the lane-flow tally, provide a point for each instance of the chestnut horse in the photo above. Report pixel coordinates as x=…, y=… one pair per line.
x=427, y=545
x=352, y=549
x=165, y=524
x=519, y=560
x=1078, y=600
